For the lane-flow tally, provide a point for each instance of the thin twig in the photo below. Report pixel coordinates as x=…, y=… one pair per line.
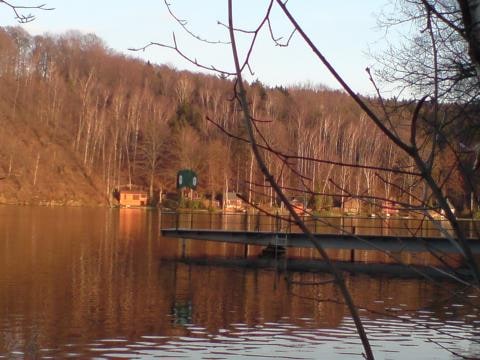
x=22, y=18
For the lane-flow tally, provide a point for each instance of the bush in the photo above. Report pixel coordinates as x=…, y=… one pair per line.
x=191, y=204
x=169, y=203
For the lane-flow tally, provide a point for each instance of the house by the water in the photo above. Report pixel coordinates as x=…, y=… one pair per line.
x=132, y=198
x=233, y=203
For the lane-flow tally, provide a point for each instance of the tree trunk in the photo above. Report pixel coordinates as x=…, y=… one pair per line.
x=471, y=18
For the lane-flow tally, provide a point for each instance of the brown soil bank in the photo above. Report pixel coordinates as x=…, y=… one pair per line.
x=37, y=169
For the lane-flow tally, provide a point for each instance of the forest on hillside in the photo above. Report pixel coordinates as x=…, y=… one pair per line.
x=80, y=121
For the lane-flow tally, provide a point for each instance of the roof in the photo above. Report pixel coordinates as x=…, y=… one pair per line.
x=133, y=192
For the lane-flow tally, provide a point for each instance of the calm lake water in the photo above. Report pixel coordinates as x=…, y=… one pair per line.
x=102, y=283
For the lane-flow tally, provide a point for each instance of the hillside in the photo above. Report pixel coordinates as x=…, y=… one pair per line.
x=37, y=167
x=79, y=121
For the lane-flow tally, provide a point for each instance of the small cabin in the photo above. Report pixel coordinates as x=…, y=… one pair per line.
x=232, y=202
x=133, y=198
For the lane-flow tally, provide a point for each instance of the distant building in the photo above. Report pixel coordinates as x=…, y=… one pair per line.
x=390, y=208
x=232, y=202
x=133, y=198
x=298, y=206
x=352, y=206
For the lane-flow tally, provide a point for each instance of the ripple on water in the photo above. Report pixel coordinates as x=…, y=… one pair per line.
x=154, y=337
x=227, y=339
x=393, y=309
x=196, y=328
x=295, y=339
x=301, y=318
x=115, y=340
x=288, y=326
x=137, y=347
x=188, y=339
x=267, y=332
x=307, y=337
x=118, y=355
x=424, y=311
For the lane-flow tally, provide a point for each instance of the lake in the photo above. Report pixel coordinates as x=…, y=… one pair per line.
x=102, y=283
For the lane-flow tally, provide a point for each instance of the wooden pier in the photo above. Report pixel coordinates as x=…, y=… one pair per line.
x=394, y=234
x=328, y=241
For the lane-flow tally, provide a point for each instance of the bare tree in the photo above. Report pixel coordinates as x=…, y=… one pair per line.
x=152, y=140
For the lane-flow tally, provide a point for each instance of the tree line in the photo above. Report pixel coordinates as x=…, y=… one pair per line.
x=130, y=122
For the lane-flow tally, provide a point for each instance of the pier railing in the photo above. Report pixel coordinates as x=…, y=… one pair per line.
x=393, y=226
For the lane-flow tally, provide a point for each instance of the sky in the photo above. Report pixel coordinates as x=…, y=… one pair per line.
x=344, y=31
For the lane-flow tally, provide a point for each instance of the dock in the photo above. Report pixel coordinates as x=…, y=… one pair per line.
x=328, y=241
x=392, y=234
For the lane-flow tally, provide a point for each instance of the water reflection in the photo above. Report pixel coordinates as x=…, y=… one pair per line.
x=101, y=283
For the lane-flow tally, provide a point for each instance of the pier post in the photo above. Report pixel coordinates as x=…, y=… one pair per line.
x=352, y=251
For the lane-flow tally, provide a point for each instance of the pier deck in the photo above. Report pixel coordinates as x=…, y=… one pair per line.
x=328, y=241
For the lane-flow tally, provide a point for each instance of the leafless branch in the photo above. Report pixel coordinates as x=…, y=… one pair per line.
x=183, y=23
x=184, y=56
x=382, y=102
x=20, y=16
x=443, y=18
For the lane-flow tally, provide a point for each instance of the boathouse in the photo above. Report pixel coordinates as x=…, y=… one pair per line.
x=130, y=198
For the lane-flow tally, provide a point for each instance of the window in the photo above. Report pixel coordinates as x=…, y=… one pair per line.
x=136, y=197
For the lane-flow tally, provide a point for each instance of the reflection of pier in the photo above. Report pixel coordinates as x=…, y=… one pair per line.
x=332, y=233
x=309, y=265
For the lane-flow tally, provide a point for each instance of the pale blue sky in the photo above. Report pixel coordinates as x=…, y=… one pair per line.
x=344, y=31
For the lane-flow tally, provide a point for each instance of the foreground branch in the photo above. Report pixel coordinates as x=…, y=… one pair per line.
x=242, y=98
x=24, y=18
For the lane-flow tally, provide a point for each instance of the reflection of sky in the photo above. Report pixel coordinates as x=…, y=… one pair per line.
x=284, y=340
x=344, y=32
x=400, y=340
